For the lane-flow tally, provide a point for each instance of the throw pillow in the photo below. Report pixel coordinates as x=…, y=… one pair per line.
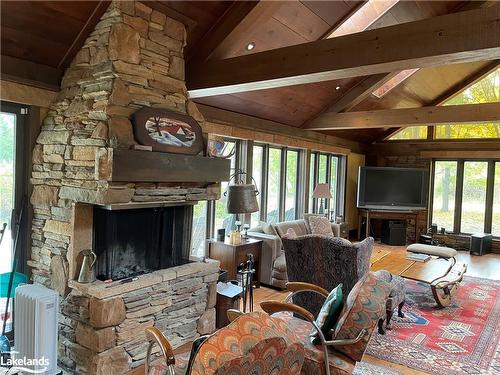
x=267, y=228
x=290, y=234
x=328, y=315
x=320, y=225
x=363, y=308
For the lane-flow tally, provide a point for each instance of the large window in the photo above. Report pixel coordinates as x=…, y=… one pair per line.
x=222, y=218
x=7, y=182
x=327, y=168
x=292, y=165
x=487, y=90
x=474, y=196
x=334, y=181
x=312, y=181
x=257, y=174
x=411, y=132
x=199, y=229
x=466, y=196
x=443, y=208
x=495, y=225
x=279, y=174
x=273, y=185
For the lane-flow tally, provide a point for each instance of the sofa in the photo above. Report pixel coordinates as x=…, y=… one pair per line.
x=273, y=264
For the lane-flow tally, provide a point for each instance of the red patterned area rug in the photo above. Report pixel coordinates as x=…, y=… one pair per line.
x=462, y=338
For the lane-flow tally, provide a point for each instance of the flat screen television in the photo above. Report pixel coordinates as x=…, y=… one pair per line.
x=393, y=188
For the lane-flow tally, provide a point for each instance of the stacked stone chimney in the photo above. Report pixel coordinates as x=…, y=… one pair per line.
x=132, y=59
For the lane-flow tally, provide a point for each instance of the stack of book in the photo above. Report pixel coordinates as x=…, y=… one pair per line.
x=418, y=257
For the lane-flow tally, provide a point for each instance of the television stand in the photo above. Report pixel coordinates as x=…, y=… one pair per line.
x=369, y=214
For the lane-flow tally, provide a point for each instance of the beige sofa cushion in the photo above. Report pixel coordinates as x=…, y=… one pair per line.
x=299, y=226
x=320, y=225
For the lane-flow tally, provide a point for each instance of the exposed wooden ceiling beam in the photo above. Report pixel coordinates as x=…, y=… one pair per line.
x=412, y=147
x=404, y=117
x=30, y=73
x=233, y=18
x=454, y=38
x=452, y=92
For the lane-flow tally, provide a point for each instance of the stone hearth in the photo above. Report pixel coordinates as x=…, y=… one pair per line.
x=132, y=59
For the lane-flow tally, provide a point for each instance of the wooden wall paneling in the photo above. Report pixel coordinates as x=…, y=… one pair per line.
x=30, y=73
x=460, y=154
x=227, y=120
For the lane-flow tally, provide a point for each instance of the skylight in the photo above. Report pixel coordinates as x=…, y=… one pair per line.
x=364, y=17
x=393, y=82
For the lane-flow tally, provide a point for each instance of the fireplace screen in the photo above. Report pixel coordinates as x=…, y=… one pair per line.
x=135, y=241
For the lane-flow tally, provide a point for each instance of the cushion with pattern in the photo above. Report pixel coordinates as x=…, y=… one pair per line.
x=320, y=225
x=328, y=314
x=363, y=308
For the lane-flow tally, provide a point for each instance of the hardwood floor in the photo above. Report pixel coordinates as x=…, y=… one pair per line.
x=485, y=266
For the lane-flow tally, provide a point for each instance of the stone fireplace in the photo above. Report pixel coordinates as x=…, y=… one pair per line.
x=95, y=188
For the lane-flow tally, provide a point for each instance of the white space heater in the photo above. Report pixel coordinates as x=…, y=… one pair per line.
x=35, y=327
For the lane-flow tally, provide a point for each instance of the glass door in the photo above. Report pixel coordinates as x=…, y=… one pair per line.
x=15, y=156
x=7, y=185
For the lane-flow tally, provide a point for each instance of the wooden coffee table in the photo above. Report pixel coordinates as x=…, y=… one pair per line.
x=443, y=275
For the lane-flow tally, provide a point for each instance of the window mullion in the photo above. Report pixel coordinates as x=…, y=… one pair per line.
x=282, y=190
x=265, y=170
x=316, y=179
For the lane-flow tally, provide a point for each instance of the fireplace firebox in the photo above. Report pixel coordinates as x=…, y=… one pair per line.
x=130, y=242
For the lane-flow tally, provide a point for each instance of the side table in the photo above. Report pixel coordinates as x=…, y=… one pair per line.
x=343, y=229
x=230, y=256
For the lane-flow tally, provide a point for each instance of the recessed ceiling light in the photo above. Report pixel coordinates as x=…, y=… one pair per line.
x=337, y=88
x=250, y=46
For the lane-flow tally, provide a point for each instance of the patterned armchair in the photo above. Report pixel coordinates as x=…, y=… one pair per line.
x=253, y=343
x=340, y=349
x=326, y=262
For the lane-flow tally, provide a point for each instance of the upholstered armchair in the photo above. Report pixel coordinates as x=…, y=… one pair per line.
x=253, y=343
x=338, y=350
x=326, y=262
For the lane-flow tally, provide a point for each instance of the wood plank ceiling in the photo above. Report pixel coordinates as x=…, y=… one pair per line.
x=38, y=40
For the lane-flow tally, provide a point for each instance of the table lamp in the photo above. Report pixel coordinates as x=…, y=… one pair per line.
x=322, y=191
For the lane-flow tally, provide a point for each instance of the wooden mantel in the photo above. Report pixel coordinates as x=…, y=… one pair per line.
x=147, y=166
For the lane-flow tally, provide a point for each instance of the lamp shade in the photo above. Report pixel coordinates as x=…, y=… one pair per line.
x=322, y=191
x=241, y=199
